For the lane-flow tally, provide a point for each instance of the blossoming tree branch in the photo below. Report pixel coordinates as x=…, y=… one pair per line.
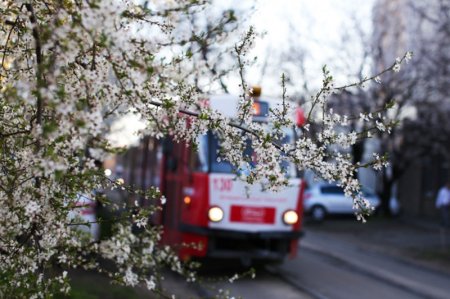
x=69, y=69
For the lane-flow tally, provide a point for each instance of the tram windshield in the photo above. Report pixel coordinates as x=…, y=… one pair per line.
x=211, y=161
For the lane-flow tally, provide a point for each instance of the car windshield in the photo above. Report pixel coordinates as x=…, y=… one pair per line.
x=333, y=189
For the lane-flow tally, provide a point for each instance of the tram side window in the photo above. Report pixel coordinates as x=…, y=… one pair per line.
x=168, y=148
x=155, y=159
x=213, y=155
x=198, y=160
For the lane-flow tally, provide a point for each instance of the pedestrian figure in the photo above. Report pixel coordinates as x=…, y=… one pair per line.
x=443, y=204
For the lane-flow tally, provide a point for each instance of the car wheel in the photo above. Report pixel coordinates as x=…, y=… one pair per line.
x=318, y=213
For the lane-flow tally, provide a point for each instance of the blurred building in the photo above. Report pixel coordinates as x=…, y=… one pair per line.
x=420, y=145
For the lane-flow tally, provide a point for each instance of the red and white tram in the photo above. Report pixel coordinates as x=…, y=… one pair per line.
x=206, y=205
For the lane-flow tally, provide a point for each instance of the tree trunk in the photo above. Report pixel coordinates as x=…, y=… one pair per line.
x=385, y=193
x=357, y=154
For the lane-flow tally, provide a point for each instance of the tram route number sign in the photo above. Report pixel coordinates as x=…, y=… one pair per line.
x=222, y=184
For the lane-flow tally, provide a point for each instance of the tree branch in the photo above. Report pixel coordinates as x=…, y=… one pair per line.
x=39, y=58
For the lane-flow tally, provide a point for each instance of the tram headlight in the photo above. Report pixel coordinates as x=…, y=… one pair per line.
x=215, y=214
x=290, y=217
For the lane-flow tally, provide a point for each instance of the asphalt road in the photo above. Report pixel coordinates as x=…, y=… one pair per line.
x=329, y=266
x=352, y=270
x=326, y=277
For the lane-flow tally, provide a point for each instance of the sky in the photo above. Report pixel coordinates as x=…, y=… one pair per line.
x=316, y=26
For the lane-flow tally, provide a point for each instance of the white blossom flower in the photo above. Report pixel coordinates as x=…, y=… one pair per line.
x=380, y=126
x=150, y=283
x=408, y=56
x=141, y=222
x=397, y=65
x=233, y=278
x=377, y=79
x=130, y=277
x=32, y=208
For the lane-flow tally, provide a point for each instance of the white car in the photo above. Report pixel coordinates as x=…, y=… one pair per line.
x=323, y=199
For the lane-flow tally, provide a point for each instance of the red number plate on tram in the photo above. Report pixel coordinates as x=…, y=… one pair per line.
x=252, y=214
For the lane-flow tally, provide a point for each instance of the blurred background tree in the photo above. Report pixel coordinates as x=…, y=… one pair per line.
x=421, y=93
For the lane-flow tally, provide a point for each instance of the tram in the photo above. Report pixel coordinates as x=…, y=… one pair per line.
x=208, y=206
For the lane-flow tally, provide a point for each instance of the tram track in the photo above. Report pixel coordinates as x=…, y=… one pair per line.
x=376, y=273
x=289, y=279
x=209, y=290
